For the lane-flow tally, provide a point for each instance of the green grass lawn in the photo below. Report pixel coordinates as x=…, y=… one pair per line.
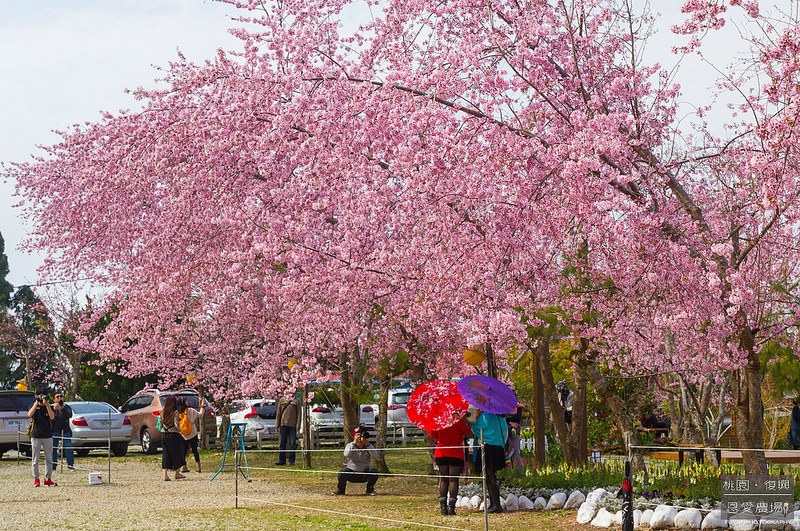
x=403, y=502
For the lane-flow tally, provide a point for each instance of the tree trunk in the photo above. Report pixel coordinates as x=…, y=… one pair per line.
x=625, y=423
x=556, y=411
x=384, y=382
x=349, y=405
x=580, y=418
x=539, y=419
x=746, y=389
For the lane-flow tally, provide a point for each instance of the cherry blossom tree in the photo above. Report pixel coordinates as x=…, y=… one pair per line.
x=444, y=163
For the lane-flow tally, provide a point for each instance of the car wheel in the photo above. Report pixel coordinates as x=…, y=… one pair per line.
x=27, y=451
x=81, y=452
x=119, y=449
x=147, y=442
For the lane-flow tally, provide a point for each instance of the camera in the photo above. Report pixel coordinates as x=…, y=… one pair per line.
x=61, y=403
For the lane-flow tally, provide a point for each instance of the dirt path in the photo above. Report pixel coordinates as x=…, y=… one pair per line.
x=136, y=498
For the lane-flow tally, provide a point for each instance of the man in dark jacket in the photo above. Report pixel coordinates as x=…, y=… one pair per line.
x=62, y=432
x=287, y=421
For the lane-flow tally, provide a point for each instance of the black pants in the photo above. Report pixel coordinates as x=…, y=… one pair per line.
x=191, y=444
x=287, y=437
x=369, y=476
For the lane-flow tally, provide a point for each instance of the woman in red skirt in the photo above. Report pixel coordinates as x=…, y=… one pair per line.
x=449, y=457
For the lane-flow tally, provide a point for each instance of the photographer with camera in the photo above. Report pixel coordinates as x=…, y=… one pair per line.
x=42, y=416
x=358, y=454
x=62, y=432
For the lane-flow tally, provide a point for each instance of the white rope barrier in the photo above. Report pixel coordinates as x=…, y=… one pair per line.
x=341, y=449
x=711, y=448
x=379, y=474
x=354, y=515
x=61, y=451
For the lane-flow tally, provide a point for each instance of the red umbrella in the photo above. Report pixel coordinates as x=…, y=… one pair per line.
x=436, y=405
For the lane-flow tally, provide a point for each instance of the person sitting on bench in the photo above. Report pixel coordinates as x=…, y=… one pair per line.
x=652, y=422
x=358, y=454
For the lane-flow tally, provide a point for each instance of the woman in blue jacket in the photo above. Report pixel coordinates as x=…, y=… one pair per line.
x=494, y=430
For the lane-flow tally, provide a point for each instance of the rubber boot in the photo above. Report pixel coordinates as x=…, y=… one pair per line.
x=451, y=506
x=443, y=504
x=494, y=493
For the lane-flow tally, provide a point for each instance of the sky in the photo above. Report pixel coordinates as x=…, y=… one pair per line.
x=64, y=62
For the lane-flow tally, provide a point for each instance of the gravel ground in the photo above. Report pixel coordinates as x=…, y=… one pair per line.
x=136, y=497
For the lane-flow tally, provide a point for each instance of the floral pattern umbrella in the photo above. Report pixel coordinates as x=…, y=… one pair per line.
x=488, y=394
x=436, y=405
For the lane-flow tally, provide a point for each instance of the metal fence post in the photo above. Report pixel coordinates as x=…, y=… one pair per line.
x=236, y=481
x=109, y=446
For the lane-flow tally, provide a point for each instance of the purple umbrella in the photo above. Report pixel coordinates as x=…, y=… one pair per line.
x=488, y=394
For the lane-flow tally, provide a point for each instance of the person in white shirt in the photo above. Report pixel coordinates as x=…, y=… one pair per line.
x=566, y=397
x=358, y=454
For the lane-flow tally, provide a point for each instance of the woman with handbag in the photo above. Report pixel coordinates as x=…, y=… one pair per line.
x=173, y=446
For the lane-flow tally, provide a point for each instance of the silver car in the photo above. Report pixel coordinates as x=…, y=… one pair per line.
x=396, y=414
x=14, y=406
x=258, y=415
x=93, y=423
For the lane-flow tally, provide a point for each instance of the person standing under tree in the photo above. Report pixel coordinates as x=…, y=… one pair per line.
x=287, y=421
x=566, y=398
x=62, y=432
x=493, y=430
x=173, y=446
x=41, y=414
x=449, y=457
x=512, y=444
x=192, y=439
x=794, y=427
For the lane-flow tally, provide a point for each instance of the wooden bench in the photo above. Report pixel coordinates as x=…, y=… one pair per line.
x=772, y=456
x=725, y=456
x=682, y=450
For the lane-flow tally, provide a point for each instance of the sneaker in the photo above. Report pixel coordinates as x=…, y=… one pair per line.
x=337, y=493
x=279, y=464
x=50, y=483
x=371, y=493
x=36, y=482
x=71, y=468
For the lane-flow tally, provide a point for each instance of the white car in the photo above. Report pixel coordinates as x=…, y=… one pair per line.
x=396, y=414
x=327, y=418
x=257, y=413
x=94, y=424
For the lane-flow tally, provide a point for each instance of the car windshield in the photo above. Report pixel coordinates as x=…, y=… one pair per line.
x=16, y=402
x=266, y=411
x=401, y=399
x=192, y=400
x=84, y=408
